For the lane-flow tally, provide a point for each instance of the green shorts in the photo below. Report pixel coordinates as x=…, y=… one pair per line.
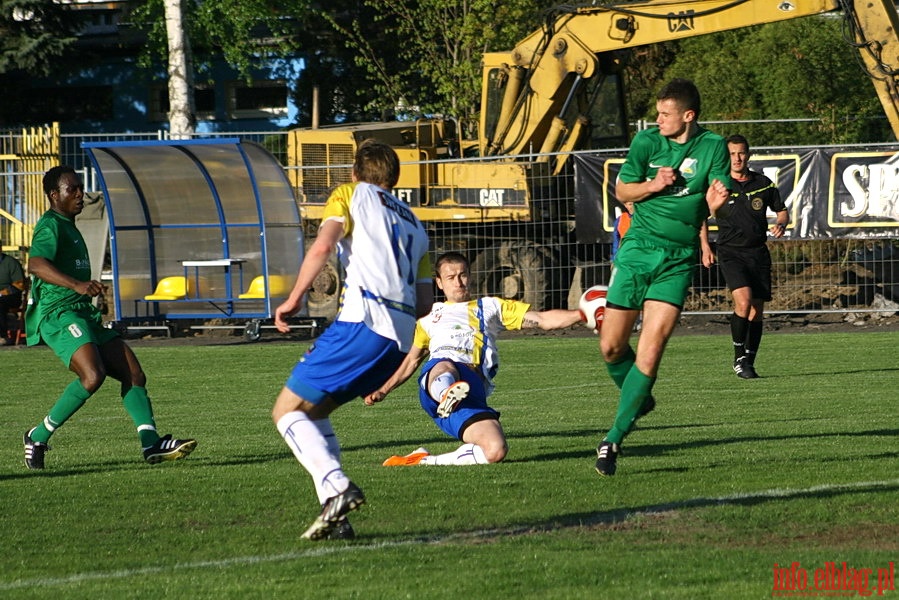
x=72, y=328
x=650, y=270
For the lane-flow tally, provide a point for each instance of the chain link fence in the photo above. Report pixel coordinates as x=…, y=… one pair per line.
x=533, y=254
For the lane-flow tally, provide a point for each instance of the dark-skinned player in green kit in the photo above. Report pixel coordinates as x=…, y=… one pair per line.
x=62, y=316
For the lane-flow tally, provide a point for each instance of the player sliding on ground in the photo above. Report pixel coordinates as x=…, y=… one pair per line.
x=460, y=336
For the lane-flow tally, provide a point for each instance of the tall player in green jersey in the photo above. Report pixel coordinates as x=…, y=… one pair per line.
x=675, y=175
x=60, y=314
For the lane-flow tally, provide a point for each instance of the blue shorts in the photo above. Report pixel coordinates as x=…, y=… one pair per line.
x=348, y=360
x=471, y=410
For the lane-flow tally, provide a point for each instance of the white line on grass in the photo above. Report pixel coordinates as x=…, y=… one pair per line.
x=45, y=582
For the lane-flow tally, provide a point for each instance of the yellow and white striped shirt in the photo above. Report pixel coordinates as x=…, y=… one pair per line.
x=466, y=332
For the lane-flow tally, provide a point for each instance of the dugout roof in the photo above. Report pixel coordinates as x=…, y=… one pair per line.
x=218, y=212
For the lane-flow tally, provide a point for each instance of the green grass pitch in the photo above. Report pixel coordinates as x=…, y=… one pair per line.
x=725, y=480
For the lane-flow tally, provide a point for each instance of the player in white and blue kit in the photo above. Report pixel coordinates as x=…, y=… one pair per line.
x=460, y=337
x=383, y=248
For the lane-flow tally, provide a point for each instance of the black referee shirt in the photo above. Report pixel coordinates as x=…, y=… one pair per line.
x=746, y=224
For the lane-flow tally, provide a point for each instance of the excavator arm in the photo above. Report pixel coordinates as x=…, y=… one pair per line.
x=873, y=28
x=548, y=70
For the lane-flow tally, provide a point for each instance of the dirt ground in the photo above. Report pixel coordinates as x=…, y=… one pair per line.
x=690, y=324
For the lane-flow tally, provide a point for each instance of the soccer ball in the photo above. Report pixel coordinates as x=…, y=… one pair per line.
x=593, y=306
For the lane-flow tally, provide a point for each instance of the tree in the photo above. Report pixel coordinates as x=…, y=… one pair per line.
x=33, y=35
x=425, y=54
x=182, y=109
x=244, y=32
x=645, y=69
x=813, y=75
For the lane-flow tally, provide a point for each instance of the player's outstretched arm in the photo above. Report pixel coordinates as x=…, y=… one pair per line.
x=551, y=319
x=403, y=372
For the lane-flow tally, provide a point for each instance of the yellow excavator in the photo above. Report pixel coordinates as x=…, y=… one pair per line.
x=539, y=102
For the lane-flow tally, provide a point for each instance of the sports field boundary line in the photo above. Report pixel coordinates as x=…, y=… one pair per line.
x=601, y=518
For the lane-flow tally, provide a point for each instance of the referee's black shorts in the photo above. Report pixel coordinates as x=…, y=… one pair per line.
x=747, y=267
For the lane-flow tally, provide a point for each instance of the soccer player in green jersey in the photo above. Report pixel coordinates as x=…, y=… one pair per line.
x=62, y=316
x=675, y=175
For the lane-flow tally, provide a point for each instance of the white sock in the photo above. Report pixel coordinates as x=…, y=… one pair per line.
x=327, y=431
x=440, y=384
x=466, y=454
x=309, y=444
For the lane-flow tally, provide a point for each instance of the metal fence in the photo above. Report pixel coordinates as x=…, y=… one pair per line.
x=539, y=260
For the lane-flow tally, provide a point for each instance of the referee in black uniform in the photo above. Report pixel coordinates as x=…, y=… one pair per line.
x=742, y=253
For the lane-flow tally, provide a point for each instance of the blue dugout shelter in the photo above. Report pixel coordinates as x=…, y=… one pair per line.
x=199, y=229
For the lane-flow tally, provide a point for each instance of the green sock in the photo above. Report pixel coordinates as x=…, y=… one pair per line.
x=73, y=398
x=635, y=389
x=137, y=403
x=619, y=370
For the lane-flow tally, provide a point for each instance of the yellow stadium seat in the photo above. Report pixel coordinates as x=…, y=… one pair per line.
x=256, y=289
x=170, y=288
x=279, y=286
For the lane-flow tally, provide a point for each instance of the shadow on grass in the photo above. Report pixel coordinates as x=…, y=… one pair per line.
x=819, y=492
x=638, y=449
x=618, y=516
x=657, y=449
x=819, y=373
x=132, y=465
x=615, y=517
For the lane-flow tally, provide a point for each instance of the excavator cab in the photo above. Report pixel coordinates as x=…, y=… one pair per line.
x=587, y=113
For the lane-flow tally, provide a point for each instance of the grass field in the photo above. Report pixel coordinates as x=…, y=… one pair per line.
x=724, y=480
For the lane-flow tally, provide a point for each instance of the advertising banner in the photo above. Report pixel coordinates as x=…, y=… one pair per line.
x=829, y=192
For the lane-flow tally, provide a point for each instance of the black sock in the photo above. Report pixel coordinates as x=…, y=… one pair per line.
x=753, y=340
x=739, y=326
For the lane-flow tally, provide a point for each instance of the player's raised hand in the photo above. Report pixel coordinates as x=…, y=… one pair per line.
x=716, y=196
x=665, y=177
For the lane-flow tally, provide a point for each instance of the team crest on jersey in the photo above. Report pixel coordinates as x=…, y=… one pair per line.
x=757, y=204
x=688, y=168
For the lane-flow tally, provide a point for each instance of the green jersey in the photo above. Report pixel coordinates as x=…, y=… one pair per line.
x=58, y=240
x=675, y=214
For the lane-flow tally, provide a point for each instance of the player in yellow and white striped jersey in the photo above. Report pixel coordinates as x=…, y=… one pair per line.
x=460, y=337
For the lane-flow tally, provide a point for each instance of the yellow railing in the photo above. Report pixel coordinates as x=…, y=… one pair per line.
x=25, y=155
